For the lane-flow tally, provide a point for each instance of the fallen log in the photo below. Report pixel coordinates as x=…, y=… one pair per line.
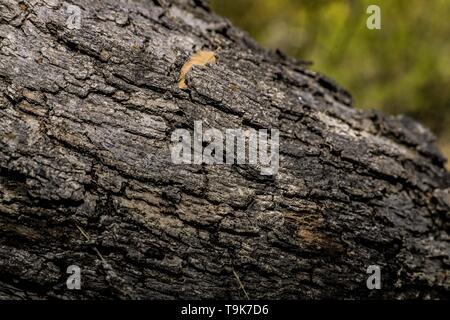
x=89, y=99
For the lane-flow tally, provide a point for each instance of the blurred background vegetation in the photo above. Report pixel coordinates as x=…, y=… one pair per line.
x=402, y=68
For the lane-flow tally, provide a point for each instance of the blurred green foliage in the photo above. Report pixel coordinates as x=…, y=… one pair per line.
x=402, y=68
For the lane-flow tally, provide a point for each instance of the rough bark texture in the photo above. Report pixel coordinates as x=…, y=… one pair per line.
x=85, y=126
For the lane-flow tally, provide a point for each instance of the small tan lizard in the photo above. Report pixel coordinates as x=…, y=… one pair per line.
x=199, y=58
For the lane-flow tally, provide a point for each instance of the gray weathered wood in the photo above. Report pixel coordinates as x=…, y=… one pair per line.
x=85, y=122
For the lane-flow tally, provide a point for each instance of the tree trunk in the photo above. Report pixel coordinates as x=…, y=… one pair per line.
x=86, y=176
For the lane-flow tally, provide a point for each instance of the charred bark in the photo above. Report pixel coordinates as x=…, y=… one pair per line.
x=86, y=179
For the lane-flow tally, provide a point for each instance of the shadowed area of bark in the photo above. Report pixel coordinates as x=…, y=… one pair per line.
x=86, y=177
